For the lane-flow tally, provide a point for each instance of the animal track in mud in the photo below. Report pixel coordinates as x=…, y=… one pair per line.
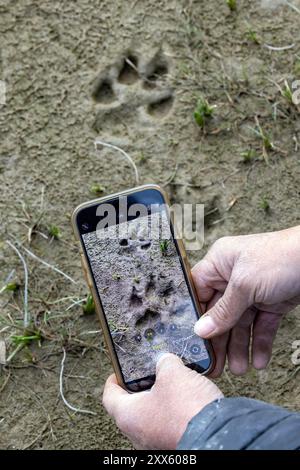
x=149, y=315
x=133, y=88
x=150, y=299
x=136, y=297
x=147, y=297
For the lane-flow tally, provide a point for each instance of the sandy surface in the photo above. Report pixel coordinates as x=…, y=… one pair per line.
x=67, y=83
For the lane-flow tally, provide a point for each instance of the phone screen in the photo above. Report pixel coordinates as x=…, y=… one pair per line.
x=145, y=296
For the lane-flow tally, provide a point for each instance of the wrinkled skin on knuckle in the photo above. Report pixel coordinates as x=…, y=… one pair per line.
x=228, y=244
x=218, y=246
x=222, y=313
x=243, y=281
x=224, y=255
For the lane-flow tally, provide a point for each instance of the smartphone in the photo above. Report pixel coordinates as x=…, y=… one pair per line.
x=141, y=283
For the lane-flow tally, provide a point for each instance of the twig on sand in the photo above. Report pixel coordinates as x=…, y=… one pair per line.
x=128, y=158
x=33, y=441
x=26, y=313
x=291, y=375
x=293, y=7
x=30, y=253
x=33, y=227
x=15, y=351
x=282, y=48
x=10, y=275
x=5, y=382
x=61, y=391
x=229, y=381
x=80, y=301
x=171, y=177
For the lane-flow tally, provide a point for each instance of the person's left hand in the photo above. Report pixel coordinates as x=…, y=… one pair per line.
x=157, y=418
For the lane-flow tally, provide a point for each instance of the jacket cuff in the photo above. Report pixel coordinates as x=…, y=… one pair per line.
x=242, y=423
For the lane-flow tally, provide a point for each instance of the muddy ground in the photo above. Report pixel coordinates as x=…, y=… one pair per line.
x=67, y=84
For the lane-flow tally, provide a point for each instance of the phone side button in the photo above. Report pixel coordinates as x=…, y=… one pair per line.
x=86, y=273
x=88, y=280
x=83, y=263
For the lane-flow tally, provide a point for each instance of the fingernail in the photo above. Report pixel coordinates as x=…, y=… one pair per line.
x=260, y=361
x=205, y=326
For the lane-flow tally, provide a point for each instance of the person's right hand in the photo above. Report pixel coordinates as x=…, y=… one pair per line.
x=248, y=283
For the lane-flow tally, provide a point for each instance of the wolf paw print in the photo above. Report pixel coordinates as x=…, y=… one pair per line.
x=132, y=88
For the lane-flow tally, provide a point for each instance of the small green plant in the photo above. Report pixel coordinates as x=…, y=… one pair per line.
x=26, y=338
x=54, y=232
x=267, y=143
x=97, y=189
x=287, y=93
x=248, y=155
x=20, y=341
x=88, y=306
x=232, y=5
x=203, y=112
x=142, y=158
x=252, y=36
x=264, y=204
x=163, y=245
x=10, y=287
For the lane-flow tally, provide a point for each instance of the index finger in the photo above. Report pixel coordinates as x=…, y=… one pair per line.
x=113, y=395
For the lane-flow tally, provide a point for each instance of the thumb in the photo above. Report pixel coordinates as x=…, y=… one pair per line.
x=225, y=313
x=168, y=363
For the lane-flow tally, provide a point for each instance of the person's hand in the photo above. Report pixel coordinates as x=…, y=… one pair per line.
x=157, y=418
x=248, y=283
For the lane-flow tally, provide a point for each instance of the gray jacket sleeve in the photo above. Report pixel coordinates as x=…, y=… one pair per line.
x=242, y=423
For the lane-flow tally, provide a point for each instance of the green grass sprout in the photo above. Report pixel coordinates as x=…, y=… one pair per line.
x=203, y=112
x=10, y=287
x=88, y=306
x=287, y=93
x=232, y=5
x=248, y=155
x=97, y=189
x=252, y=36
x=264, y=204
x=267, y=143
x=26, y=338
x=163, y=245
x=54, y=232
